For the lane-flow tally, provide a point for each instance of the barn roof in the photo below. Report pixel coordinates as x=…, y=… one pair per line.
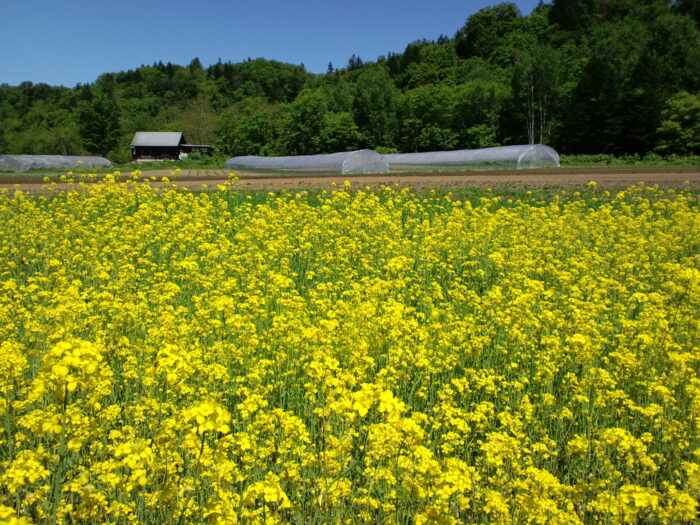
x=158, y=138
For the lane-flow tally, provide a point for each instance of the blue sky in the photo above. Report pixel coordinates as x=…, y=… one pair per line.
x=69, y=42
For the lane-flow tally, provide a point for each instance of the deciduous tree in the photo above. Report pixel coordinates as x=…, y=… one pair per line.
x=679, y=131
x=98, y=124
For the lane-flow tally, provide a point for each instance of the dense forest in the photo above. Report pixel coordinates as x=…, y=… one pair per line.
x=584, y=76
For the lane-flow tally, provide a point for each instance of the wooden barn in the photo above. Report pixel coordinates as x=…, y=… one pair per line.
x=162, y=145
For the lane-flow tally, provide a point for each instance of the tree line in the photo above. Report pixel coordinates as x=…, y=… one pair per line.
x=585, y=76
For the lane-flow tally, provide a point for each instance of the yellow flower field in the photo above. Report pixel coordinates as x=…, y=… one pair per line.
x=366, y=356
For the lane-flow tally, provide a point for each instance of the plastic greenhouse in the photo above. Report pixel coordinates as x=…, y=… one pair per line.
x=361, y=161
x=38, y=162
x=517, y=157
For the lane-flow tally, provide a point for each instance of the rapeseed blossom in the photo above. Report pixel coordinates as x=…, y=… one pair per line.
x=168, y=356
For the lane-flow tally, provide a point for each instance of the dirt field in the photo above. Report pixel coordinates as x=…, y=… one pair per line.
x=608, y=178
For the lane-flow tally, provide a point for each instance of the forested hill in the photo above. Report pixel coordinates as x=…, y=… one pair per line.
x=585, y=76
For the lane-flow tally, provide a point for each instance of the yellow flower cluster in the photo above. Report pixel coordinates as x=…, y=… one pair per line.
x=169, y=356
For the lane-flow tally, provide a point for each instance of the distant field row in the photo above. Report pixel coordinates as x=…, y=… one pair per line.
x=567, y=161
x=608, y=178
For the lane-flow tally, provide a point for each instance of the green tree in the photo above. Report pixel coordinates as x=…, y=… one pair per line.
x=199, y=121
x=670, y=62
x=184, y=87
x=277, y=81
x=435, y=63
x=688, y=7
x=679, y=131
x=249, y=129
x=374, y=106
x=195, y=67
x=476, y=113
x=305, y=123
x=339, y=93
x=155, y=81
x=580, y=15
x=486, y=29
x=62, y=137
x=339, y=133
x=597, y=115
x=535, y=82
x=354, y=62
x=573, y=15
x=433, y=138
x=425, y=118
x=98, y=125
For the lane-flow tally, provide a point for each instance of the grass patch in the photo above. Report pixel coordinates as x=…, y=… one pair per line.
x=650, y=160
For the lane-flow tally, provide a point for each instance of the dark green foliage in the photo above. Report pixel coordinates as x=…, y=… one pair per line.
x=485, y=30
x=249, y=130
x=688, y=7
x=340, y=133
x=679, y=131
x=573, y=15
x=615, y=77
x=273, y=80
x=305, y=123
x=476, y=113
x=354, y=63
x=374, y=106
x=424, y=119
x=98, y=123
x=536, y=90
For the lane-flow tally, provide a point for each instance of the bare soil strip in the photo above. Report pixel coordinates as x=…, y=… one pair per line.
x=681, y=177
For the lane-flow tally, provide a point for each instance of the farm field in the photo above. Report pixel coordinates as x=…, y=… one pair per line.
x=678, y=177
x=379, y=356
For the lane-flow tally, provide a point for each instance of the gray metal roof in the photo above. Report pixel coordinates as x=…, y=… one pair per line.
x=158, y=138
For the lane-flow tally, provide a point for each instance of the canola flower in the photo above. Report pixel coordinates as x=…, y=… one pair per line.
x=373, y=356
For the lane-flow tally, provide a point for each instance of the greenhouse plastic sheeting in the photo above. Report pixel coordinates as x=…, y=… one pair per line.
x=38, y=162
x=529, y=156
x=361, y=161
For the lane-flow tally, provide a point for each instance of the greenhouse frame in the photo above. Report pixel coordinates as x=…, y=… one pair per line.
x=501, y=157
x=368, y=161
x=346, y=162
x=43, y=162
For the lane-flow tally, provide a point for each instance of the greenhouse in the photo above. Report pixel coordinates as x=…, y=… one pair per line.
x=361, y=161
x=44, y=162
x=509, y=157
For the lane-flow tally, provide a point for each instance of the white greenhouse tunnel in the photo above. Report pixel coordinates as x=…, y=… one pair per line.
x=39, y=162
x=360, y=161
x=517, y=157
x=368, y=161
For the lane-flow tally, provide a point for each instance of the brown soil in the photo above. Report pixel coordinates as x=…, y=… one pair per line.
x=608, y=178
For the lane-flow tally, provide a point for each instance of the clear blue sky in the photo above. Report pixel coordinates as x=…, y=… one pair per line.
x=65, y=42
